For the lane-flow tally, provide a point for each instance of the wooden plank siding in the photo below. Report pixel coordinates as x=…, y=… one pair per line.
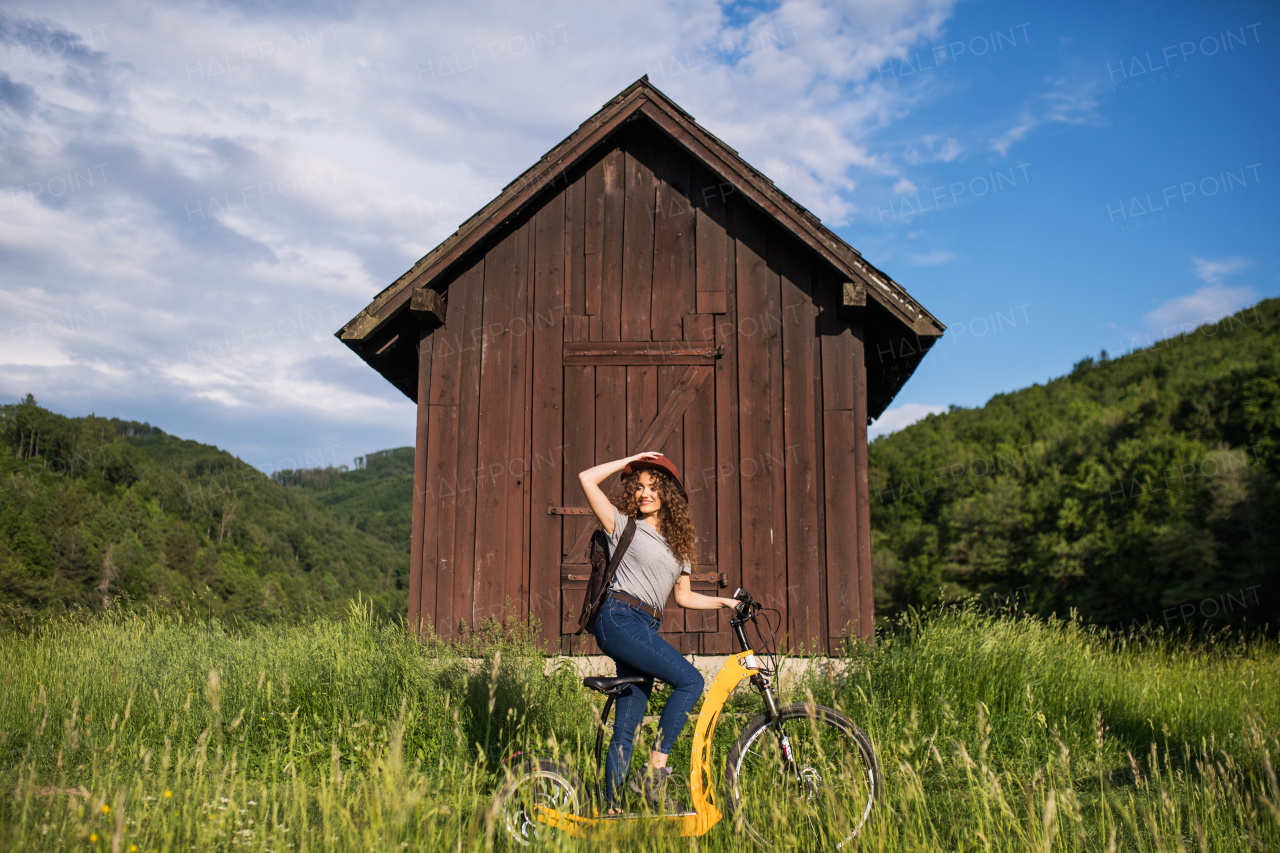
x=548, y=428
x=519, y=423
x=442, y=484
x=673, y=448
x=417, y=568
x=674, y=267
x=503, y=276
x=755, y=391
x=641, y=247
x=611, y=245
x=575, y=253
x=579, y=439
x=699, y=474
x=464, y=532
x=771, y=465
x=455, y=389
x=673, y=299
x=593, y=236
x=862, y=486
x=805, y=628
x=839, y=467
x=640, y=192
x=717, y=240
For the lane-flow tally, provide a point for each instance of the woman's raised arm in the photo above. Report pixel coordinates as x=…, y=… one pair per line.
x=593, y=477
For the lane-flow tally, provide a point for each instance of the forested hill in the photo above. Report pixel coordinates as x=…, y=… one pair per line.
x=92, y=508
x=376, y=497
x=1141, y=488
x=1144, y=488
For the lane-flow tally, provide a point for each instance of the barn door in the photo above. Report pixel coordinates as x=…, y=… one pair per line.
x=621, y=397
x=636, y=365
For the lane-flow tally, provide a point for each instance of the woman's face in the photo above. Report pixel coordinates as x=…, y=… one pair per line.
x=647, y=497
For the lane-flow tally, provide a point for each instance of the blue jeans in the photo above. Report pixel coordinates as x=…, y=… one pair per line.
x=630, y=636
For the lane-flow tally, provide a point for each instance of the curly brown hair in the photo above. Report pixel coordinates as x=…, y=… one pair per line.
x=673, y=515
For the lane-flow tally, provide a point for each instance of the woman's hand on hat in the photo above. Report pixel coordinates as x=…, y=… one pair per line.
x=645, y=456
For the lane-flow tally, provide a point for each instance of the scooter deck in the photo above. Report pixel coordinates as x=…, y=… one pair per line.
x=684, y=823
x=644, y=816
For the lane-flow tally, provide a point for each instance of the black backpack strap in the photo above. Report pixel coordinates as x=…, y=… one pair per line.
x=628, y=533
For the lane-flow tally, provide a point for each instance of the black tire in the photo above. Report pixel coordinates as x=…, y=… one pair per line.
x=537, y=782
x=825, y=803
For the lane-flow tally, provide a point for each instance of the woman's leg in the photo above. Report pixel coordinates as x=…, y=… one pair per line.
x=631, y=638
x=620, y=632
x=630, y=707
x=686, y=683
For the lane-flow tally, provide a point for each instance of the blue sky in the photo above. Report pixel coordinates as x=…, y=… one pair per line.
x=194, y=196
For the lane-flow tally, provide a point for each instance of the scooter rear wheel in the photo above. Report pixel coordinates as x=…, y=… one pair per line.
x=537, y=782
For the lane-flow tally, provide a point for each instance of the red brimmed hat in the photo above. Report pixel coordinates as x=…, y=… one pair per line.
x=662, y=464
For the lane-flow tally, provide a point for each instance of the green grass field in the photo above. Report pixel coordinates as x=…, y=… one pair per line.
x=146, y=731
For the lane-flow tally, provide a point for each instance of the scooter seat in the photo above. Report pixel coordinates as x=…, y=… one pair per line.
x=611, y=685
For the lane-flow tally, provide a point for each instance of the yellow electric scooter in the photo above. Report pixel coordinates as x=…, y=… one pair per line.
x=800, y=775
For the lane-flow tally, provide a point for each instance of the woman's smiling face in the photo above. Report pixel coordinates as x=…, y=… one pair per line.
x=647, y=497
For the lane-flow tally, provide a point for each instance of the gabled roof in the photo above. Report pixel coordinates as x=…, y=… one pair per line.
x=642, y=97
x=369, y=333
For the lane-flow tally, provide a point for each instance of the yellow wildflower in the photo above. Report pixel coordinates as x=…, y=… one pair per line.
x=93, y=836
x=168, y=794
x=106, y=809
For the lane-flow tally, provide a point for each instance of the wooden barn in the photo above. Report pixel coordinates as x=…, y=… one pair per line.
x=641, y=287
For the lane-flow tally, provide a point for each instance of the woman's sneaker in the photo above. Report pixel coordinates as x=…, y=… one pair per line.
x=651, y=783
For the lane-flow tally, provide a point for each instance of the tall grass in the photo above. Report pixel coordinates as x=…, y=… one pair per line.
x=1019, y=733
x=140, y=729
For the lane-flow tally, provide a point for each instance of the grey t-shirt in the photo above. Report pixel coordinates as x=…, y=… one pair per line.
x=648, y=570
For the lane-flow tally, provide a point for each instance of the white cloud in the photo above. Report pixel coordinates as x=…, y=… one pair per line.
x=22, y=352
x=1070, y=100
x=1207, y=305
x=904, y=187
x=1072, y=103
x=255, y=168
x=932, y=148
x=900, y=417
x=948, y=151
x=1212, y=272
x=1003, y=142
x=933, y=258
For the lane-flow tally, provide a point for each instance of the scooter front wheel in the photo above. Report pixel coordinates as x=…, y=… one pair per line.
x=821, y=764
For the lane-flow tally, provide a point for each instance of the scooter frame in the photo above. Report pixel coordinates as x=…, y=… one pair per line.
x=705, y=814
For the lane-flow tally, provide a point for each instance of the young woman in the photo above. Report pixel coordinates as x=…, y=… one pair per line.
x=661, y=556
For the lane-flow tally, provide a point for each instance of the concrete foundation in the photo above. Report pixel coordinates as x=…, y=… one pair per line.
x=792, y=668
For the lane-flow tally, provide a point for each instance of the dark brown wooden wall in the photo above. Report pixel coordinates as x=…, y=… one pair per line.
x=642, y=251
